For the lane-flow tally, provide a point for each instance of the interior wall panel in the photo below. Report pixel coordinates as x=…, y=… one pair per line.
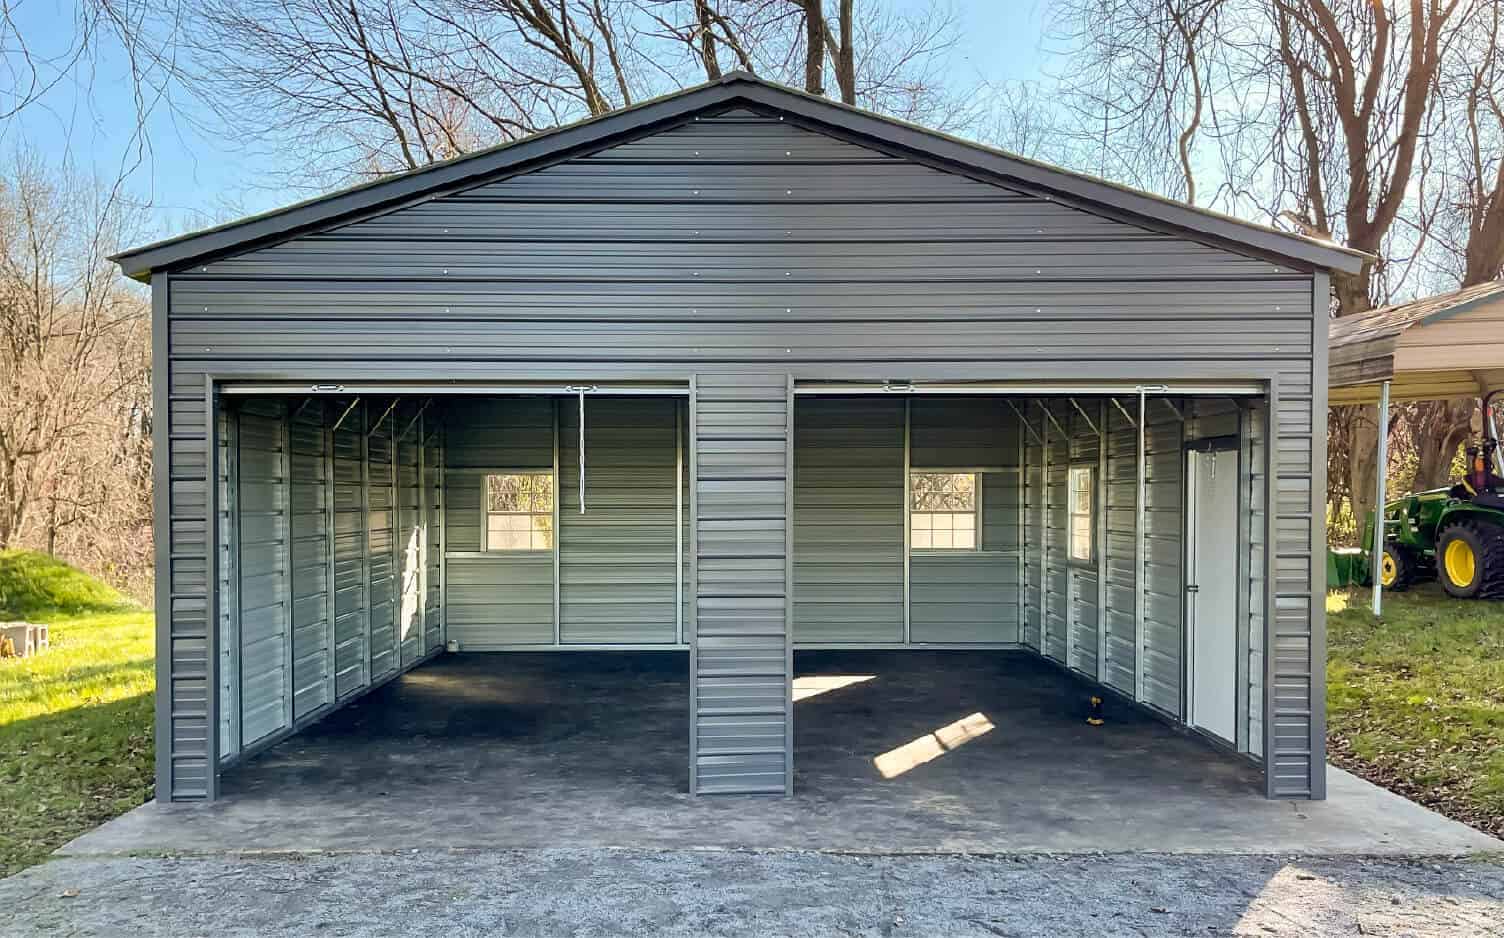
x=1164, y=559
x=410, y=545
x=848, y=520
x=1082, y=607
x=502, y=598
x=381, y=542
x=264, y=576
x=433, y=521
x=312, y=654
x=1036, y=522
x=1057, y=597
x=617, y=578
x=351, y=580
x=227, y=615
x=1122, y=520
x=969, y=597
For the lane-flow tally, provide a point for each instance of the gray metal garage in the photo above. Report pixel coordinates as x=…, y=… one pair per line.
x=737, y=372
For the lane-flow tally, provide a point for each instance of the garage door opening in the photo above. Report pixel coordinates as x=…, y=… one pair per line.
x=364, y=532
x=1115, y=538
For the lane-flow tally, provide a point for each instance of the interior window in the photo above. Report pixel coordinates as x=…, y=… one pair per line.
x=1082, y=495
x=519, y=511
x=943, y=510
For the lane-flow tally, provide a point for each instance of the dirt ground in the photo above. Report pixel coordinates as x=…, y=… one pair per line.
x=684, y=893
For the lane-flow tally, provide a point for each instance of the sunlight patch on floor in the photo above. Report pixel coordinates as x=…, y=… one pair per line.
x=931, y=746
x=813, y=685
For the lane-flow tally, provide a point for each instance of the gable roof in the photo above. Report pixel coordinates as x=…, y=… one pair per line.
x=820, y=114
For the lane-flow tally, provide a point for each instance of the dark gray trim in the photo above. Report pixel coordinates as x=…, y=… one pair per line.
x=211, y=605
x=289, y=660
x=788, y=591
x=161, y=533
x=693, y=626
x=375, y=197
x=1320, y=302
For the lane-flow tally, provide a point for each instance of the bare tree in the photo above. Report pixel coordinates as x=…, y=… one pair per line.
x=74, y=418
x=1314, y=114
x=370, y=86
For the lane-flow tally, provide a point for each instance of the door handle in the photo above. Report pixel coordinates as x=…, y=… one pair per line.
x=1192, y=588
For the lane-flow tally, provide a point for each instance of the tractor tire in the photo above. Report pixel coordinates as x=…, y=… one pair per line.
x=1397, y=568
x=1470, y=559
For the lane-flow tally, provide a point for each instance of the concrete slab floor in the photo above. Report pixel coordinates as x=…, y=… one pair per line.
x=988, y=752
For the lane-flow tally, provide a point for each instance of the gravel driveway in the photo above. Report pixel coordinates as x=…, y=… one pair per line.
x=629, y=893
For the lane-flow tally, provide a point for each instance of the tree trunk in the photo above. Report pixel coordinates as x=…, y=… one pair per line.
x=1362, y=460
x=846, y=55
x=1441, y=427
x=707, y=41
x=814, y=47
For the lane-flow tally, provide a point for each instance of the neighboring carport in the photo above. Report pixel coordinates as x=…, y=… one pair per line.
x=1442, y=347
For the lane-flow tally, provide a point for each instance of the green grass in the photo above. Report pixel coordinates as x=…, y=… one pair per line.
x=32, y=582
x=76, y=720
x=1415, y=701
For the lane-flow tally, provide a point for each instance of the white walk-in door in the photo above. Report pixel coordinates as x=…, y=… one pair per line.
x=1211, y=590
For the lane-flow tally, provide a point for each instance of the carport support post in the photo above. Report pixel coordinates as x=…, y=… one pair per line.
x=1376, y=555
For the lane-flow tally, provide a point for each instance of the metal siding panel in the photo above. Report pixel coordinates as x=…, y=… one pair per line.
x=1297, y=635
x=740, y=643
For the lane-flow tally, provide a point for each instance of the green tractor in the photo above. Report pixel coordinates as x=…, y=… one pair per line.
x=1455, y=534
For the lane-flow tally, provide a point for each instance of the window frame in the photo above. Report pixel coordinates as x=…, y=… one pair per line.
x=976, y=510
x=484, y=477
x=1071, y=514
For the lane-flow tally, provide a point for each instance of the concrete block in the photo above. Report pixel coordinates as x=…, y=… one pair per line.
x=23, y=639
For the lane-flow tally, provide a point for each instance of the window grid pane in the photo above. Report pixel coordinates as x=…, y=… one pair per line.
x=519, y=511
x=1081, y=510
x=943, y=530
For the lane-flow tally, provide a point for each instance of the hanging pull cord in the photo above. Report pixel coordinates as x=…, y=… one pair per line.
x=581, y=390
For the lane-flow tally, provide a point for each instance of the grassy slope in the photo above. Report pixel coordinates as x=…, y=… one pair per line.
x=75, y=721
x=1416, y=701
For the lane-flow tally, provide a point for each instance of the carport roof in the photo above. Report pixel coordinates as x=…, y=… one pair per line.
x=1440, y=347
x=734, y=88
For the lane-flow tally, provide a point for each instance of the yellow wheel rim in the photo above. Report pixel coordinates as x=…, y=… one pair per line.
x=1460, y=563
x=1388, y=569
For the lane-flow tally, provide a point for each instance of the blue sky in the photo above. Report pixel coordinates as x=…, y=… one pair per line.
x=191, y=177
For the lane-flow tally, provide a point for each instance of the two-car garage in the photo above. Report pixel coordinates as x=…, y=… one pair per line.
x=824, y=426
